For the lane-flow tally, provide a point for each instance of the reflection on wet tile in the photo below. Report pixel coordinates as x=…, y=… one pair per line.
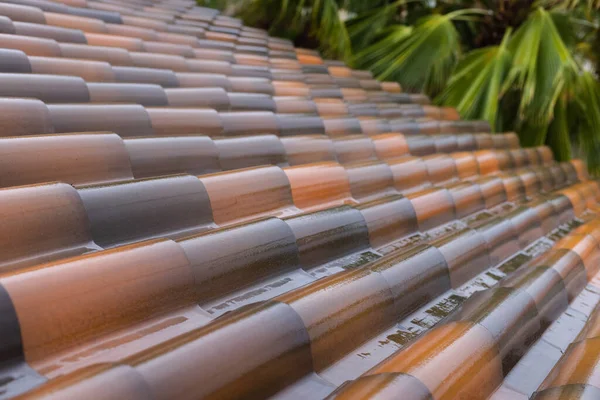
x=335, y=237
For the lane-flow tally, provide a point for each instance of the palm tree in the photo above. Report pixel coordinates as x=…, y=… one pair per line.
x=523, y=65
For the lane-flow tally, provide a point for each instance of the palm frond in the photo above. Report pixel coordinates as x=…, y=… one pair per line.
x=330, y=30
x=558, y=132
x=366, y=26
x=543, y=68
x=474, y=88
x=585, y=117
x=421, y=58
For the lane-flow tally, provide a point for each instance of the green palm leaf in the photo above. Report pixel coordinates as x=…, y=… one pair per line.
x=330, y=30
x=422, y=57
x=543, y=69
x=584, y=114
x=475, y=86
x=363, y=28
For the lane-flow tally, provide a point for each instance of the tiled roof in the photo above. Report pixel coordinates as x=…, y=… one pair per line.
x=193, y=209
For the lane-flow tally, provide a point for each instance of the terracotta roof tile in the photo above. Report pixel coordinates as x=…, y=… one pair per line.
x=193, y=209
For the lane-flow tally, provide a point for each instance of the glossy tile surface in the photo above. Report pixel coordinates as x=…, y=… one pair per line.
x=194, y=209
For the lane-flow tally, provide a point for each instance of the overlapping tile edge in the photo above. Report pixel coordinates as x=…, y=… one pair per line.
x=237, y=218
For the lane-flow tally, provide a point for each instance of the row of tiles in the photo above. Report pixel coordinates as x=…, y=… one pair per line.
x=470, y=352
x=32, y=117
x=15, y=60
x=27, y=25
x=206, y=19
x=30, y=22
x=245, y=94
x=208, y=34
x=69, y=89
x=180, y=205
x=573, y=376
x=291, y=336
x=98, y=157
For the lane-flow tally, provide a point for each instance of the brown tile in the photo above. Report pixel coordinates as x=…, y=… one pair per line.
x=123, y=42
x=342, y=126
x=215, y=98
x=251, y=102
x=510, y=315
x=131, y=31
x=170, y=48
x=545, y=286
x=577, y=366
x=568, y=392
x=415, y=277
x=162, y=77
x=14, y=61
x=372, y=126
x=319, y=185
x=453, y=361
x=441, y=169
x=125, y=120
x=124, y=382
x=144, y=94
x=390, y=145
x=493, y=190
x=166, y=61
x=487, y=161
x=513, y=186
x=42, y=223
x=131, y=211
x=466, y=255
x=324, y=236
x=213, y=54
x=75, y=159
x=410, y=173
x=445, y=143
x=501, y=237
x=467, y=198
x=156, y=156
x=283, y=349
x=434, y=207
x=250, y=151
x=114, y=288
x=225, y=260
x=184, y=121
x=389, y=219
x=74, y=22
x=527, y=223
x=569, y=266
x=24, y=13
x=519, y=157
x=359, y=303
x=383, y=386
x=331, y=107
x=114, y=56
x=50, y=32
x=248, y=123
x=354, y=149
x=24, y=117
x=466, y=142
x=370, y=180
x=420, y=145
x=308, y=149
x=32, y=46
x=586, y=247
x=250, y=193
x=294, y=105
x=466, y=164
x=299, y=125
